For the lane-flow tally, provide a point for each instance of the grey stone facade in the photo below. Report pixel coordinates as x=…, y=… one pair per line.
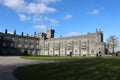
x=13, y=44
x=46, y=44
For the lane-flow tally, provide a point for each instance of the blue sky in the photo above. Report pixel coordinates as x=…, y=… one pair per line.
x=67, y=17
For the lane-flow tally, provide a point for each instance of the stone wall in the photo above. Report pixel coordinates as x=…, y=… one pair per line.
x=83, y=45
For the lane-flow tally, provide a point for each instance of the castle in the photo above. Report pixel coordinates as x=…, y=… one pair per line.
x=45, y=44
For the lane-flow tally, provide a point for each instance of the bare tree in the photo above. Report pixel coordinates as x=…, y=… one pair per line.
x=112, y=42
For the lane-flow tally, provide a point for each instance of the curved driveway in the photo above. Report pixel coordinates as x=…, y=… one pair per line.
x=9, y=63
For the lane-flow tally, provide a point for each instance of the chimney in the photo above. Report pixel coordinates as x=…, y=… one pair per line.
x=5, y=31
x=22, y=34
x=34, y=34
x=14, y=32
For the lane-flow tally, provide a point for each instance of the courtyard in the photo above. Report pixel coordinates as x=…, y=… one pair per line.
x=106, y=68
x=59, y=68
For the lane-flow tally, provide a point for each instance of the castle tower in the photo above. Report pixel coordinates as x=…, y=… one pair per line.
x=6, y=31
x=34, y=34
x=14, y=32
x=22, y=34
x=99, y=35
x=50, y=33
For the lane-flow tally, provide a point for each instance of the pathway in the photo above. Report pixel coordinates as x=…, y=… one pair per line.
x=9, y=63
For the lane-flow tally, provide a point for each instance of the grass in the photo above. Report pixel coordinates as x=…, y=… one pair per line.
x=83, y=69
x=53, y=57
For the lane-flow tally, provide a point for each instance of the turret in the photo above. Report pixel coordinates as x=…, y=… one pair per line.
x=50, y=33
x=0, y=35
x=99, y=35
x=5, y=31
x=14, y=32
x=34, y=34
x=22, y=34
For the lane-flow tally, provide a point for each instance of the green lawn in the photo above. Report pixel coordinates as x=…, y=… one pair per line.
x=54, y=57
x=83, y=69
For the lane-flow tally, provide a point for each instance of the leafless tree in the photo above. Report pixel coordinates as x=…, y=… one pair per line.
x=112, y=42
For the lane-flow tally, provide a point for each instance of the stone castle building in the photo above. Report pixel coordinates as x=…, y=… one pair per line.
x=46, y=44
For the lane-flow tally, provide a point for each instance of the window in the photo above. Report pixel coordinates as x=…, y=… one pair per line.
x=75, y=50
x=37, y=47
x=11, y=45
x=26, y=40
x=83, y=44
x=32, y=46
x=4, y=44
x=19, y=39
x=92, y=51
x=3, y=38
x=37, y=41
x=19, y=45
x=31, y=40
x=12, y=39
x=26, y=46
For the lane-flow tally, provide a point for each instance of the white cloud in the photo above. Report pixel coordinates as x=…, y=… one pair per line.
x=53, y=22
x=17, y=5
x=41, y=27
x=39, y=8
x=38, y=19
x=68, y=16
x=73, y=34
x=23, y=17
x=95, y=11
x=30, y=8
x=33, y=11
x=49, y=1
x=46, y=20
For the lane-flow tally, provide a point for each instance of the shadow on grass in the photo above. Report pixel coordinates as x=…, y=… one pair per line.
x=84, y=69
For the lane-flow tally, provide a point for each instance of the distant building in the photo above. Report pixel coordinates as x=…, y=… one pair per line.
x=45, y=44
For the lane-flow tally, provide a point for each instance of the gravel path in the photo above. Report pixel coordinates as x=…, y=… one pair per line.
x=9, y=63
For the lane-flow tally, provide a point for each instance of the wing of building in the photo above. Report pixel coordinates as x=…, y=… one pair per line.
x=45, y=44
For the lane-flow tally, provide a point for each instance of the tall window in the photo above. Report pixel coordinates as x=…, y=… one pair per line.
x=11, y=45
x=19, y=45
x=92, y=51
x=12, y=39
x=26, y=46
x=4, y=44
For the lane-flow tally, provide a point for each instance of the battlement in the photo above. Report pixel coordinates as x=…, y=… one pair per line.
x=14, y=34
